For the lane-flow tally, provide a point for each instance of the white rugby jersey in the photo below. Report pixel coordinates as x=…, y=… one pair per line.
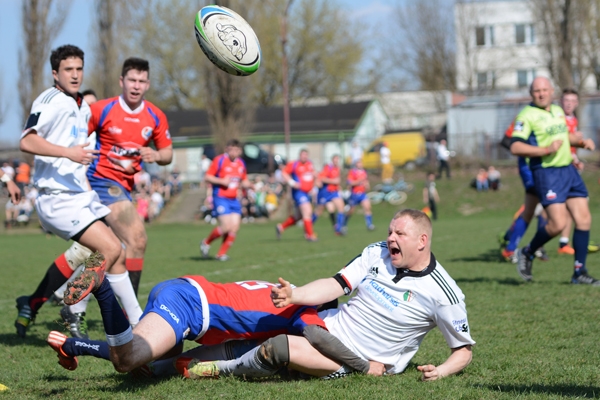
x=56, y=117
x=393, y=309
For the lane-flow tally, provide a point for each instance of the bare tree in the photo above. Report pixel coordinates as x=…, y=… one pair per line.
x=425, y=47
x=41, y=21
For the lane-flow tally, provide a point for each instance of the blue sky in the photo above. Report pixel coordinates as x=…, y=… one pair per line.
x=75, y=31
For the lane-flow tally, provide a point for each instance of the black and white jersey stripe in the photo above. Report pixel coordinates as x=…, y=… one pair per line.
x=50, y=95
x=446, y=288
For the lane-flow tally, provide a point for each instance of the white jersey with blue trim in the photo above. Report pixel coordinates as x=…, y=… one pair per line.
x=393, y=309
x=58, y=118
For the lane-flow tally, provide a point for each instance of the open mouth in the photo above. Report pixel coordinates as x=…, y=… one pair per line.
x=394, y=251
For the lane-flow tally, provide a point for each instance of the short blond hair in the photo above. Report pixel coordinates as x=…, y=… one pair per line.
x=419, y=218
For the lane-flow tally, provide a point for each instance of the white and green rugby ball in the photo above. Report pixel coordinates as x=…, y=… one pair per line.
x=227, y=40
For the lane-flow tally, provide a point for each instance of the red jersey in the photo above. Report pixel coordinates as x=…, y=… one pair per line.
x=330, y=171
x=120, y=133
x=303, y=173
x=244, y=310
x=222, y=167
x=572, y=127
x=356, y=174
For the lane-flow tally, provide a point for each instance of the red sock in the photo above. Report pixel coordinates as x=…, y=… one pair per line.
x=63, y=266
x=288, y=222
x=216, y=233
x=227, y=242
x=134, y=264
x=308, y=228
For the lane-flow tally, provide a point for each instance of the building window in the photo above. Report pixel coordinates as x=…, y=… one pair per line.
x=486, y=80
x=525, y=77
x=524, y=34
x=484, y=35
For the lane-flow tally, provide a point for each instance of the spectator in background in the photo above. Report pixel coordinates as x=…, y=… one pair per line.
x=89, y=96
x=356, y=153
x=430, y=195
x=142, y=203
x=443, y=155
x=481, y=180
x=23, y=176
x=493, y=178
x=204, y=165
x=142, y=180
x=387, y=169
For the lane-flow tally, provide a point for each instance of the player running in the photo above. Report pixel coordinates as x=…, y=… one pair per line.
x=329, y=193
x=300, y=176
x=226, y=174
x=358, y=180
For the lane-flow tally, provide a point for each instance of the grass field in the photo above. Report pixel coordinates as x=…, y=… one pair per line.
x=536, y=340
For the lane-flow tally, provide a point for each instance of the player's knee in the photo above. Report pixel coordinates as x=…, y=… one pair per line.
x=275, y=352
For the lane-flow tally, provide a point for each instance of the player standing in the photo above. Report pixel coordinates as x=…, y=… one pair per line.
x=541, y=134
x=300, y=176
x=358, y=180
x=226, y=174
x=329, y=193
x=56, y=132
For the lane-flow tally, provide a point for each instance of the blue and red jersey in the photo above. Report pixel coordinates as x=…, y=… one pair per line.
x=245, y=311
x=330, y=171
x=120, y=133
x=356, y=174
x=303, y=173
x=223, y=167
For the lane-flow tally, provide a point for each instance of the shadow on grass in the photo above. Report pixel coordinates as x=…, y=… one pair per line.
x=503, y=281
x=490, y=256
x=592, y=392
x=199, y=258
x=11, y=339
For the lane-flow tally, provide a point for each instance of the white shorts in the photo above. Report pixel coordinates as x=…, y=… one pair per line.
x=66, y=214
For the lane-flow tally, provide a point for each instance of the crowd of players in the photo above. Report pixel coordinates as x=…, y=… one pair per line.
x=400, y=290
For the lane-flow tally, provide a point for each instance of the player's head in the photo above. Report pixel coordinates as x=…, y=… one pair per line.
x=135, y=80
x=335, y=159
x=542, y=92
x=358, y=164
x=409, y=239
x=89, y=96
x=569, y=101
x=233, y=148
x=67, y=68
x=303, y=157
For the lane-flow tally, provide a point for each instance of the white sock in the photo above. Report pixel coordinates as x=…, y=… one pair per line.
x=121, y=285
x=60, y=292
x=81, y=306
x=563, y=239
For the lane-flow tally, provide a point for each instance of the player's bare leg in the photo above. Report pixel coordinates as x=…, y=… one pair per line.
x=306, y=213
x=130, y=229
x=305, y=358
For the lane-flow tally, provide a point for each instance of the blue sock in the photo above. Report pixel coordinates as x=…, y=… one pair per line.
x=541, y=238
x=369, y=220
x=115, y=321
x=581, y=240
x=314, y=218
x=518, y=230
x=340, y=221
x=86, y=347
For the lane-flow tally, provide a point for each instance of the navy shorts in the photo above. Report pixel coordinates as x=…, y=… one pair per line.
x=357, y=198
x=325, y=196
x=224, y=206
x=178, y=302
x=554, y=185
x=108, y=190
x=300, y=197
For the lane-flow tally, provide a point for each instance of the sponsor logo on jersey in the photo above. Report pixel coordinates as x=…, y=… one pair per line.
x=165, y=308
x=550, y=195
x=129, y=119
x=461, y=325
x=519, y=126
x=168, y=134
x=114, y=191
x=146, y=132
x=73, y=114
x=74, y=131
x=75, y=222
x=88, y=345
x=115, y=130
x=382, y=295
x=408, y=296
x=373, y=271
x=124, y=157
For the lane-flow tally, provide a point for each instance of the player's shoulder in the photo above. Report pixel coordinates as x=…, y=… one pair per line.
x=101, y=105
x=153, y=109
x=377, y=249
x=557, y=110
x=443, y=288
x=50, y=96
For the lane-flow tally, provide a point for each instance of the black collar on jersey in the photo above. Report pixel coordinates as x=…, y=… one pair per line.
x=402, y=272
x=78, y=99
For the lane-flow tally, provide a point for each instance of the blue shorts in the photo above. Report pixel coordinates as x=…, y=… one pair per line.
x=554, y=185
x=224, y=206
x=108, y=190
x=325, y=196
x=356, y=198
x=178, y=302
x=526, y=176
x=300, y=197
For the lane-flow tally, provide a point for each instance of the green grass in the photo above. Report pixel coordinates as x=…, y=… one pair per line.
x=537, y=340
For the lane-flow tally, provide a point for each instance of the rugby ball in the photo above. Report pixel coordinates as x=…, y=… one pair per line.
x=227, y=40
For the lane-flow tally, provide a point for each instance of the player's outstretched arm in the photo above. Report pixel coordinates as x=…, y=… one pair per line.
x=13, y=190
x=34, y=144
x=312, y=294
x=458, y=360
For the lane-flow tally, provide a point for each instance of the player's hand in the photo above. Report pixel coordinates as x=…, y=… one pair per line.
x=81, y=155
x=430, y=372
x=149, y=155
x=225, y=181
x=14, y=192
x=376, y=368
x=588, y=144
x=281, y=294
x=579, y=165
x=553, y=148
